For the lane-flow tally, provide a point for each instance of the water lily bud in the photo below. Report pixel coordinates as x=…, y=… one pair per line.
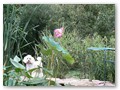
x=58, y=32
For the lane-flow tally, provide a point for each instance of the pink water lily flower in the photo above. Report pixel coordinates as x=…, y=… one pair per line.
x=58, y=32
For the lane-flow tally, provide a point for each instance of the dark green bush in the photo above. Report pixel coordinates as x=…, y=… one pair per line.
x=85, y=19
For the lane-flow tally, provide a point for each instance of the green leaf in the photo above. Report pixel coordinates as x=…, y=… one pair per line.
x=51, y=82
x=54, y=44
x=27, y=75
x=16, y=58
x=18, y=70
x=12, y=73
x=11, y=82
x=35, y=80
x=5, y=67
x=4, y=74
x=48, y=71
x=31, y=70
x=58, y=47
x=16, y=64
x=68, y=58
x=45, y=38
x=47, y=52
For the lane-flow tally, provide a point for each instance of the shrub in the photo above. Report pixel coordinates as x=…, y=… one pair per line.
x=55, y=55
x=90, y=62
x=86, y=19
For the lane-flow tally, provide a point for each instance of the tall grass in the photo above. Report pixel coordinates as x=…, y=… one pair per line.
x=14, y=37
x=90, y=63
x=11, y=30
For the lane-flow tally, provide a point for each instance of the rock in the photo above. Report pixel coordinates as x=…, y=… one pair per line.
x=81, y=82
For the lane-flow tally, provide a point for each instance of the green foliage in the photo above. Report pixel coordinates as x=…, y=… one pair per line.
x=86, y=19
x=17, y=76
x=14, y=37
x=73, y=74
x=52, y=44
x=12, y=76
x=17, y=59
x=16, y=63
x=55, y=55
x=11, y=26
x=98, y=18
x=90, y=62
x=36, y=82
x=85, y=26
x=23, y=22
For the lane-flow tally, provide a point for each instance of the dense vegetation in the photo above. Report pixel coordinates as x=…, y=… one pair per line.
x=85, y=26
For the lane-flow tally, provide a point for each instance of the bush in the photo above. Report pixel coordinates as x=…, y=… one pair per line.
x=84, y=58
x=55, y=56
x=85, y=19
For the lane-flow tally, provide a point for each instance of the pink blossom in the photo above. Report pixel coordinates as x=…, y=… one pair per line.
x=58, y=32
